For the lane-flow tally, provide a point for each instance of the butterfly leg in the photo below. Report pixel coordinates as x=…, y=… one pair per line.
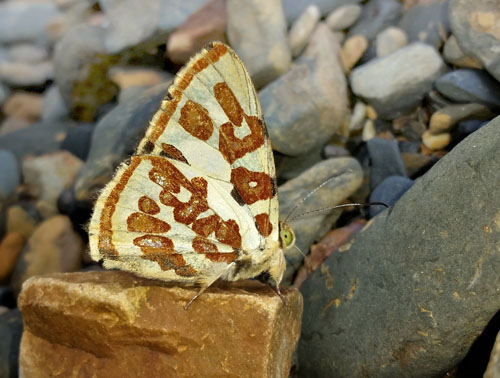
x=282, y=297
x=209, y=282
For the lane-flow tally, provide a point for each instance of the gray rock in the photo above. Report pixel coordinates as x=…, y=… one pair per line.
x=376, y=16
x=46, y=176
x=4, y=93
x=37, y=139
x=343, y=17
x=396, y=83
x=474, y=24
x=294, y=8
x=54, y=106
x=453, y=54
x=302, y=29
x=81, y=66
x=385, y=160
x=257, y=32
x=132, y=23
x=27, y=53
x=346, y=176
x=23, y=21
x=10, y=175
x=387, y=306
x=390, y=40
x=389, y=191
x=289, y=167
x=444, y=119
x=173, y=13
x=297, y=126
x=427, y=23
x=78, y=140
x=468, y=85
x=11, y=330
x=26, y=74
x=115, y=137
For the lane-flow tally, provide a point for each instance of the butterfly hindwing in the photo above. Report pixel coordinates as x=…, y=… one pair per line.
x=201, y=189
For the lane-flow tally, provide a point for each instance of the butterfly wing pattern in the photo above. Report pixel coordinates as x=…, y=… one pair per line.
x=198, y=200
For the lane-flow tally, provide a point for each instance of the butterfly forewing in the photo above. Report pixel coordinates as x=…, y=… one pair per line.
x=201, y=189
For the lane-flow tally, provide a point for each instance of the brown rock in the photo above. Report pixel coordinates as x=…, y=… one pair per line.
x=436, y=141
x=23, y=105
x=352, y=50
x=10, y=248
x=493, y=370
x=205, y=25
x=113, y=324
x=53, y=247
x=18, y=220
x=126, y=77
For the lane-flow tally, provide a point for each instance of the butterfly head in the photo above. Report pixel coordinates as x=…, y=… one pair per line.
x=277, y=264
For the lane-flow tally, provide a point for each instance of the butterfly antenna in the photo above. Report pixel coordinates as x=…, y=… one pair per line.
x=302, y=253
x=340, y=206
x=309, y=195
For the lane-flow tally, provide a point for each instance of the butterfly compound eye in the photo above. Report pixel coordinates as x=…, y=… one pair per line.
x=287, y=237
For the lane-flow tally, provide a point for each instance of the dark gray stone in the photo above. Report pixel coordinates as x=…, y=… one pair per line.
x=375, y=17
x=398, y=82
x=385, y=160
x=115, y=137
x=78, y=139
x=475, y=25
x=294, y=8
x=470, y=125
x=387, y=306
x=296, y=126
x=11, y=330
x=388, y=192
x=37, y=139
x=345, y=175
x=427, y=23
x=468, y=85
x=10, y=174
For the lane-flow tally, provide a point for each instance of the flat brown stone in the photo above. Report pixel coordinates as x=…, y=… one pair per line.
x=113, y=324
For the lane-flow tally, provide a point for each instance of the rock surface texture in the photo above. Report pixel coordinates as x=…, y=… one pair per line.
x=113, y=324
x=388, y=305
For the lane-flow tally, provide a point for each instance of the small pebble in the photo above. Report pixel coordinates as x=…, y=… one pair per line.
x=390, y=40
x=436, y=142
x=369, y=131
x=444, y=119
x=343, y=17
x=352, y=50
x=357, y=117
x=302, y=29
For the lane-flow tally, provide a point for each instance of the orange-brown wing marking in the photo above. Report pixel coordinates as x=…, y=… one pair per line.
x=230, y=146
x=160, y=249
x=139, y=222
x=209, y=249
x=183, y=81
x=252, y=186
x=229, y=103
x=148, y=205
x=226, y=232
x=171, y=179
x=196, y=120
x=105, y=243
x=172, y=152
x=264, y=224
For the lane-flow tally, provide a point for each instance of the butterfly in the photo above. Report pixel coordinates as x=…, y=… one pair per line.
x=198, y=199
